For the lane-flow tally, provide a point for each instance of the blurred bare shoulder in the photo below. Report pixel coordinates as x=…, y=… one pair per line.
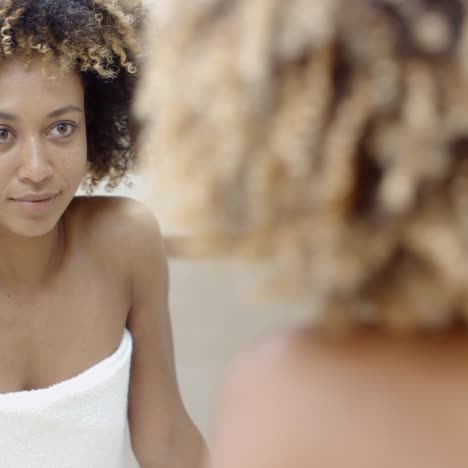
x=301, y=399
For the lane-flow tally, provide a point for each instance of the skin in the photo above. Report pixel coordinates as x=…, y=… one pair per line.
x=76, y=271
x=304, y=400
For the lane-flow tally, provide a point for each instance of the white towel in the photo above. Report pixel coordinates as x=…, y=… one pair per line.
x=81, y=422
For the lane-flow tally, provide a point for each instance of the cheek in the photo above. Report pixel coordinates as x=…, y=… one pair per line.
x=8, y=172
x=7, y=176
x=73, y=166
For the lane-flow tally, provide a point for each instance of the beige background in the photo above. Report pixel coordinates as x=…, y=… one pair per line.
x=214, y=317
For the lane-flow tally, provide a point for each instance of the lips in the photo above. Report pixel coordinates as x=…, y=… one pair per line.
x=35, y=197
x=35, y=204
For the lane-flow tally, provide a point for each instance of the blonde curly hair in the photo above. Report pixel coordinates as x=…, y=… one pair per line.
x=100, y=40
x=336, y=142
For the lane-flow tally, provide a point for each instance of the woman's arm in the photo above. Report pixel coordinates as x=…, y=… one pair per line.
x=162, y=433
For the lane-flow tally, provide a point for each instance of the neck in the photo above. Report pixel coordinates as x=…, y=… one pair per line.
x=30, y=262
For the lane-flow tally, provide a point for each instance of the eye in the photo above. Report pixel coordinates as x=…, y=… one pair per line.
x=63, y=129
x=6, y=136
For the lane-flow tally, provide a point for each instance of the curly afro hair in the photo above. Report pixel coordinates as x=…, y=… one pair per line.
x=98, y=39
x=336, y=142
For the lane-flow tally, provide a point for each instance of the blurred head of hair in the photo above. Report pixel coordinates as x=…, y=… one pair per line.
x=332, y=136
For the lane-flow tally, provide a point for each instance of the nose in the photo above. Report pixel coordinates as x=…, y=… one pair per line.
x=34, y=165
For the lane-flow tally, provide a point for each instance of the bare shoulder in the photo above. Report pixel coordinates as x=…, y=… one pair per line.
x=286, y=368
x=303, y=395
x=304, y=356
x=283, y=362
x=264, y=408
x=266, y=362
x=115, y=222
x=105, y=214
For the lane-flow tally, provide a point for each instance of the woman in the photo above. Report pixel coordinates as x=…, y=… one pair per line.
x=83, y=281
x=331, y=136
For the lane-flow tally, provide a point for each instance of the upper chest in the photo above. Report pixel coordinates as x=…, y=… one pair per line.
x=54, y=333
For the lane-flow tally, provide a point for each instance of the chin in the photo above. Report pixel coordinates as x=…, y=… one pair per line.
x=31, y=230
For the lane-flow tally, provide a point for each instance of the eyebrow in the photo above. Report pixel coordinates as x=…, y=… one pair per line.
x=54, y=114
x=63, y=110
x=5, y=116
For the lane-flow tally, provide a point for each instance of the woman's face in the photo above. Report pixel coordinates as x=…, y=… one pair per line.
x=42, y=145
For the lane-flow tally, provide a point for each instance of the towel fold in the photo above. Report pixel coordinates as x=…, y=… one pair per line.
x=81, y=422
